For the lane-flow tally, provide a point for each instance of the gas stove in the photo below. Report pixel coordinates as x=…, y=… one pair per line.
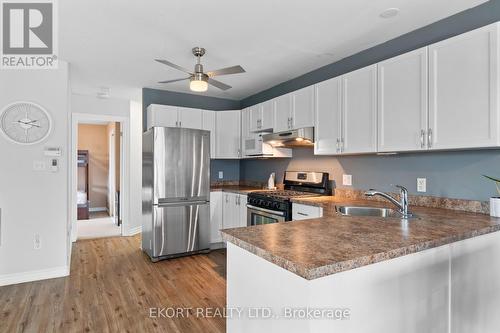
x=275, y=205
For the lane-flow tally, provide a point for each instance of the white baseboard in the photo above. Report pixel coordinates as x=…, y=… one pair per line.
x=50, y=273
x=133, y=231
x=98, y=209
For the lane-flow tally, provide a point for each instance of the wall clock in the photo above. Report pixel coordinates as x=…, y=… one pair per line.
x=25, y=123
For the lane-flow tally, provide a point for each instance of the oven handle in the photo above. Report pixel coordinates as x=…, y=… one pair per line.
x=274, y=212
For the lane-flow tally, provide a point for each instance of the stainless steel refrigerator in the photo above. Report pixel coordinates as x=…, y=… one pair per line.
x=175, y=192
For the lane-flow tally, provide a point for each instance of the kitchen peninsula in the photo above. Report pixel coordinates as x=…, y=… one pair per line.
x=438, y=272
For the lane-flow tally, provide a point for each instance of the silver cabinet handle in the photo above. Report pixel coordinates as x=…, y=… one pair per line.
x=291, y=122
x=180, y=123
x=429, y=138
x=338, y=145
x=422, y=139
x=341, y=145
x=303, y=214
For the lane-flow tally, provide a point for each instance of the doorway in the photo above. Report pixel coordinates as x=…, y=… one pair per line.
x=98, y=180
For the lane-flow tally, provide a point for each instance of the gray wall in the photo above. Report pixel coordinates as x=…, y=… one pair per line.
x=231, y=169
x=449, y=174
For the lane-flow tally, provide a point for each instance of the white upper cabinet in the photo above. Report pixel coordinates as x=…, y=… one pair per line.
x=173, y=116
x=245, y=130
x=262, y=117
x=190, y=118
x=268, y=115
x=303, y=108
x=162, y=116
x=209, y=124
x=328, y=108
x=359, y=111
x=282, y=112
x=464, y=90
x=402, y=102
x=228, y=135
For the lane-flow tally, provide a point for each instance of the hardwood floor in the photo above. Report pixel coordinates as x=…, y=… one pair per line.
x=112, y=287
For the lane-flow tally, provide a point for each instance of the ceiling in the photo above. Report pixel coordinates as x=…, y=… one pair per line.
x=112, y=43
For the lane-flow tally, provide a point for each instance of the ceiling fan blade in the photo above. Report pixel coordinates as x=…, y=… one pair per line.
x=170, y=81
x=218, y=84
x=168, y=63
x=226, y=71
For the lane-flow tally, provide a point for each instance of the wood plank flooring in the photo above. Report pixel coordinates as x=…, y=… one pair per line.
x=111, y=288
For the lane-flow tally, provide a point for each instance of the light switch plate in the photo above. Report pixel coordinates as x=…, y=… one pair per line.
x=421, y=184
x=221, y=174
x=39, y=165
x=347, y=180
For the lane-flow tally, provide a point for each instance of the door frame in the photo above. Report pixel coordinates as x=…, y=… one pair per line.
x=77, y=118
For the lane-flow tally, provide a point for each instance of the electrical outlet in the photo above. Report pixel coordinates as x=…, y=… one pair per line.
x=421, y=184
x=221, y=174
x=37, y=242
x=347, y=180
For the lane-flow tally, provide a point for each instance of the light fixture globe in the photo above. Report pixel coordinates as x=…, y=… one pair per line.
x=198, y=85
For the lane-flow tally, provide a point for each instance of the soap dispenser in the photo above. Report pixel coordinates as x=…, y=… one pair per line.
x=271, y=182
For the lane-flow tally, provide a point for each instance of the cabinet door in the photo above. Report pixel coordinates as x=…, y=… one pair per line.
x=228, y=134
x=304, y=212
x=464, y=90
x=328, y=117
x=402, y=102
x=303, y=108
x=282, y=112
x=245, y=130
x=242, y=210
x=255, y=117
x=215, y=217
x=230, y=210
x=208, y=124
x=162, y=116
x=268, y=115
x=190, y=118
x=359, y=111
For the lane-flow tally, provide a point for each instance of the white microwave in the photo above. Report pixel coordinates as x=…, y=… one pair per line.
x=254, y=146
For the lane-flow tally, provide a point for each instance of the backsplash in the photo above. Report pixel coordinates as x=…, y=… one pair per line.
x=449, y=174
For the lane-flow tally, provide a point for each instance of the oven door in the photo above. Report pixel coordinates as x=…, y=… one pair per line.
x=257, y=215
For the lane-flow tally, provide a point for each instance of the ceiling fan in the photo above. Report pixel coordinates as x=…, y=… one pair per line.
x=198, y=80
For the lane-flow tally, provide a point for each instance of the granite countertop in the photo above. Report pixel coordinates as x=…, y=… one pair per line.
x=239, y=189
x=319, y=247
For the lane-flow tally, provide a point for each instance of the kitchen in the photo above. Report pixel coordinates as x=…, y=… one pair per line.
x=351, y=188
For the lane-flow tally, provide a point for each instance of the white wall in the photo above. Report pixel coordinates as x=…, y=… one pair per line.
x=34, y=202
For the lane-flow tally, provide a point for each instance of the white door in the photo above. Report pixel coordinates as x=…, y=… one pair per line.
x=190, y=118
x=268, y=115
x=402, y=102
x=230, y=211
x=464, y=90
x=282, y=113
x=359, y=111
x=255, y=117
x=208, y=124
x=327, y=131
x=228, y=134
x=303, y=108
x=215, y=217
x=162, y=116
x=242, y=210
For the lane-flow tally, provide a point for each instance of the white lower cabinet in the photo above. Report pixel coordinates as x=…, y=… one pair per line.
x=227, y=210
x=215, y=217
x=303, y=212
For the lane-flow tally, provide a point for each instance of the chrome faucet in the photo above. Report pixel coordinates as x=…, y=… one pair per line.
x=402, y=204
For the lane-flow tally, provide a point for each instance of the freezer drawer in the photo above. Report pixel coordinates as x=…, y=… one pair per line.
x=180, y=228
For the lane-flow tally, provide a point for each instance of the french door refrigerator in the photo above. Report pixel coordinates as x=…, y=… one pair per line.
x=175, y=192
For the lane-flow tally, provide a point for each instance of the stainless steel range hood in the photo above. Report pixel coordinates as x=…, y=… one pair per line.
x=302, y=137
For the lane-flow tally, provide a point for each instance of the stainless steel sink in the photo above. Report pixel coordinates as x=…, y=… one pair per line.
x=367, y=211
